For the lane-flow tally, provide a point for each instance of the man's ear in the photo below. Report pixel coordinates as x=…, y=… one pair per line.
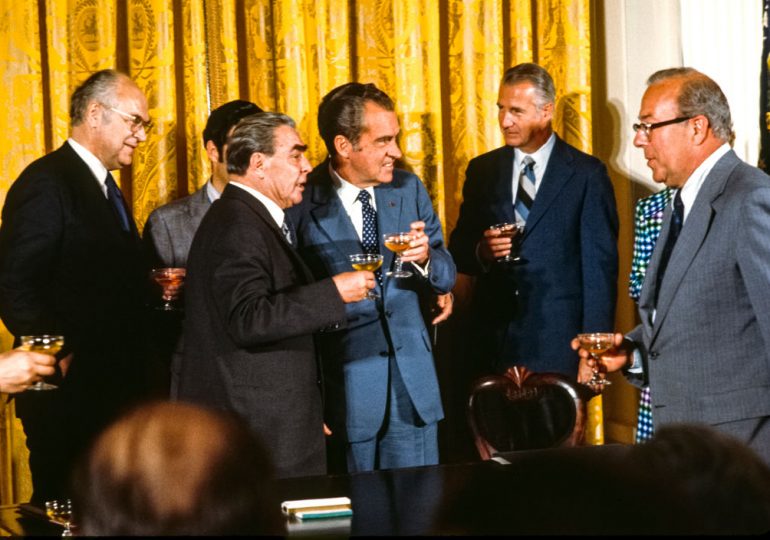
x=212, y=151
x=700, y=128
x=547, y=111
x=93, y=116
x=257, y=163
x=343, y=146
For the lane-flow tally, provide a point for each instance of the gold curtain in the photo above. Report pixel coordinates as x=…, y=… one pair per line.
x=441, y=61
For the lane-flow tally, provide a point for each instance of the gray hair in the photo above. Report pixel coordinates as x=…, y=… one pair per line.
x=341, y=112
x=537, y=76
x=254, y=133
x=699, y=94
x=100, y=87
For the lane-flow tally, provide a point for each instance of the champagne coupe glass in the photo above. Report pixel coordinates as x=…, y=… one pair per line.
x=514, y=231
x=398, y=242
x=63, y=511
x=597, y=343
x=168, y=277
x=370, y=262
x=45, y=344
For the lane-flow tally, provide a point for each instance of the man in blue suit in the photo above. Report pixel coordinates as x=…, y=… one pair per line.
x=382, y=396
x=566, y=281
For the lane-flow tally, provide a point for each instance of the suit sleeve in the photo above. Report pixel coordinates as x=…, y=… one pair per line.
x=263, y=303
x=30, y=244
x=470, y=226
x=158, y=241
x=442, y=271
x=753, y=255
x=599, y=252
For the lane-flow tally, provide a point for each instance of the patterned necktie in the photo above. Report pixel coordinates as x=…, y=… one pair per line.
x=369, y=240
x=369, y=237
x=118, y=204
x=286, y=230
x=526, y=193
x=677, y=219
x=644, y=430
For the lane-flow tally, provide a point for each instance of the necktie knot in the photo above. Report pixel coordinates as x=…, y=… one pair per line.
x=525, y=194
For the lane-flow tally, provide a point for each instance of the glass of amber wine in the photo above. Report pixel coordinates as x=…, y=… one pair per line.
x=42, y=344
x=513, y=231
x=370, y=262
x=398, y=243
x=167, y=277
x=597, y=343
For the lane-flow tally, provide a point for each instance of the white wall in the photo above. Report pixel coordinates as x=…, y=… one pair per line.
x=722, y=38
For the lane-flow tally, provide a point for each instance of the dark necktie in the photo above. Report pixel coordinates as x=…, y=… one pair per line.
x=369, y=238
x=286, y=230
x=526, y=192
x=118, y=204
x=677, y=219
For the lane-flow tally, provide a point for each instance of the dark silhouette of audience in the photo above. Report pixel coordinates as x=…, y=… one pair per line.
x=688, y=479
x=176, y=469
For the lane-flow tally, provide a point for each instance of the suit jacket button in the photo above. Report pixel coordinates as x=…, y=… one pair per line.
x=653, y=354
x=388, y=313
x=384, y=353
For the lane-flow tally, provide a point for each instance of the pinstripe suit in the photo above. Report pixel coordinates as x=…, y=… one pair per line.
x=707, y=353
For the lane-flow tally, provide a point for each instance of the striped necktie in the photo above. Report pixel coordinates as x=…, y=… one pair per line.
x=526, y=192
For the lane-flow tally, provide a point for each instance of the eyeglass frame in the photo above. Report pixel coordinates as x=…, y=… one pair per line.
x=136, y=121
x=647, y=127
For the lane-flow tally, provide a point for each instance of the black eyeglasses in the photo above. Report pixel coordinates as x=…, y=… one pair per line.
x=134, y=120
x=647, y=128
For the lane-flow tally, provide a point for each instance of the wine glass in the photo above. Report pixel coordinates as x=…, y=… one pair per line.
x=45, y=344
x=597, y=343
x=398, y=242
x=168, y=277
x=514, y=231
x=370, y=262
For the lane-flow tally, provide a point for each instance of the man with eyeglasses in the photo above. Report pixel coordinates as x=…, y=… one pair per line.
x=72, y=263
x=703, y=344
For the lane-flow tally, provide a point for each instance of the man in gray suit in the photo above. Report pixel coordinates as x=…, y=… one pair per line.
x=704, y=340
x=170, y=228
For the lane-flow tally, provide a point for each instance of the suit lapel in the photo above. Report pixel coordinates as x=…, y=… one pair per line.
x=691, y=238
x=232, y=192
x=94, y=200
x=558, y=171
x=389, y=206
x=502, y=196
x=330, y=215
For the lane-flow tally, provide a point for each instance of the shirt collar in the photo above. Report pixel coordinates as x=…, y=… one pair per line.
x=347, y=192
x=211, y=192
x=94, y=163
x=276, y=212
x=691, y=188
x=541, y=155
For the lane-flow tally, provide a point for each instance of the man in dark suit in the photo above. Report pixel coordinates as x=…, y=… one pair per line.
x=71, y=263
x=382, y=396
x=703, y=344
x=171, y=227
x=566, y=281
x=252, y=305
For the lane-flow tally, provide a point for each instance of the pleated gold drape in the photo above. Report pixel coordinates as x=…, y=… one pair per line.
x=441, y=61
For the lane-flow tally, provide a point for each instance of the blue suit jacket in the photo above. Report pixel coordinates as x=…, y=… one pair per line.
x=528, y=314
x=356, y=359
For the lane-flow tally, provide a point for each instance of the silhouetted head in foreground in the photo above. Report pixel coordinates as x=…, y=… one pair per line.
x=175, y=469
